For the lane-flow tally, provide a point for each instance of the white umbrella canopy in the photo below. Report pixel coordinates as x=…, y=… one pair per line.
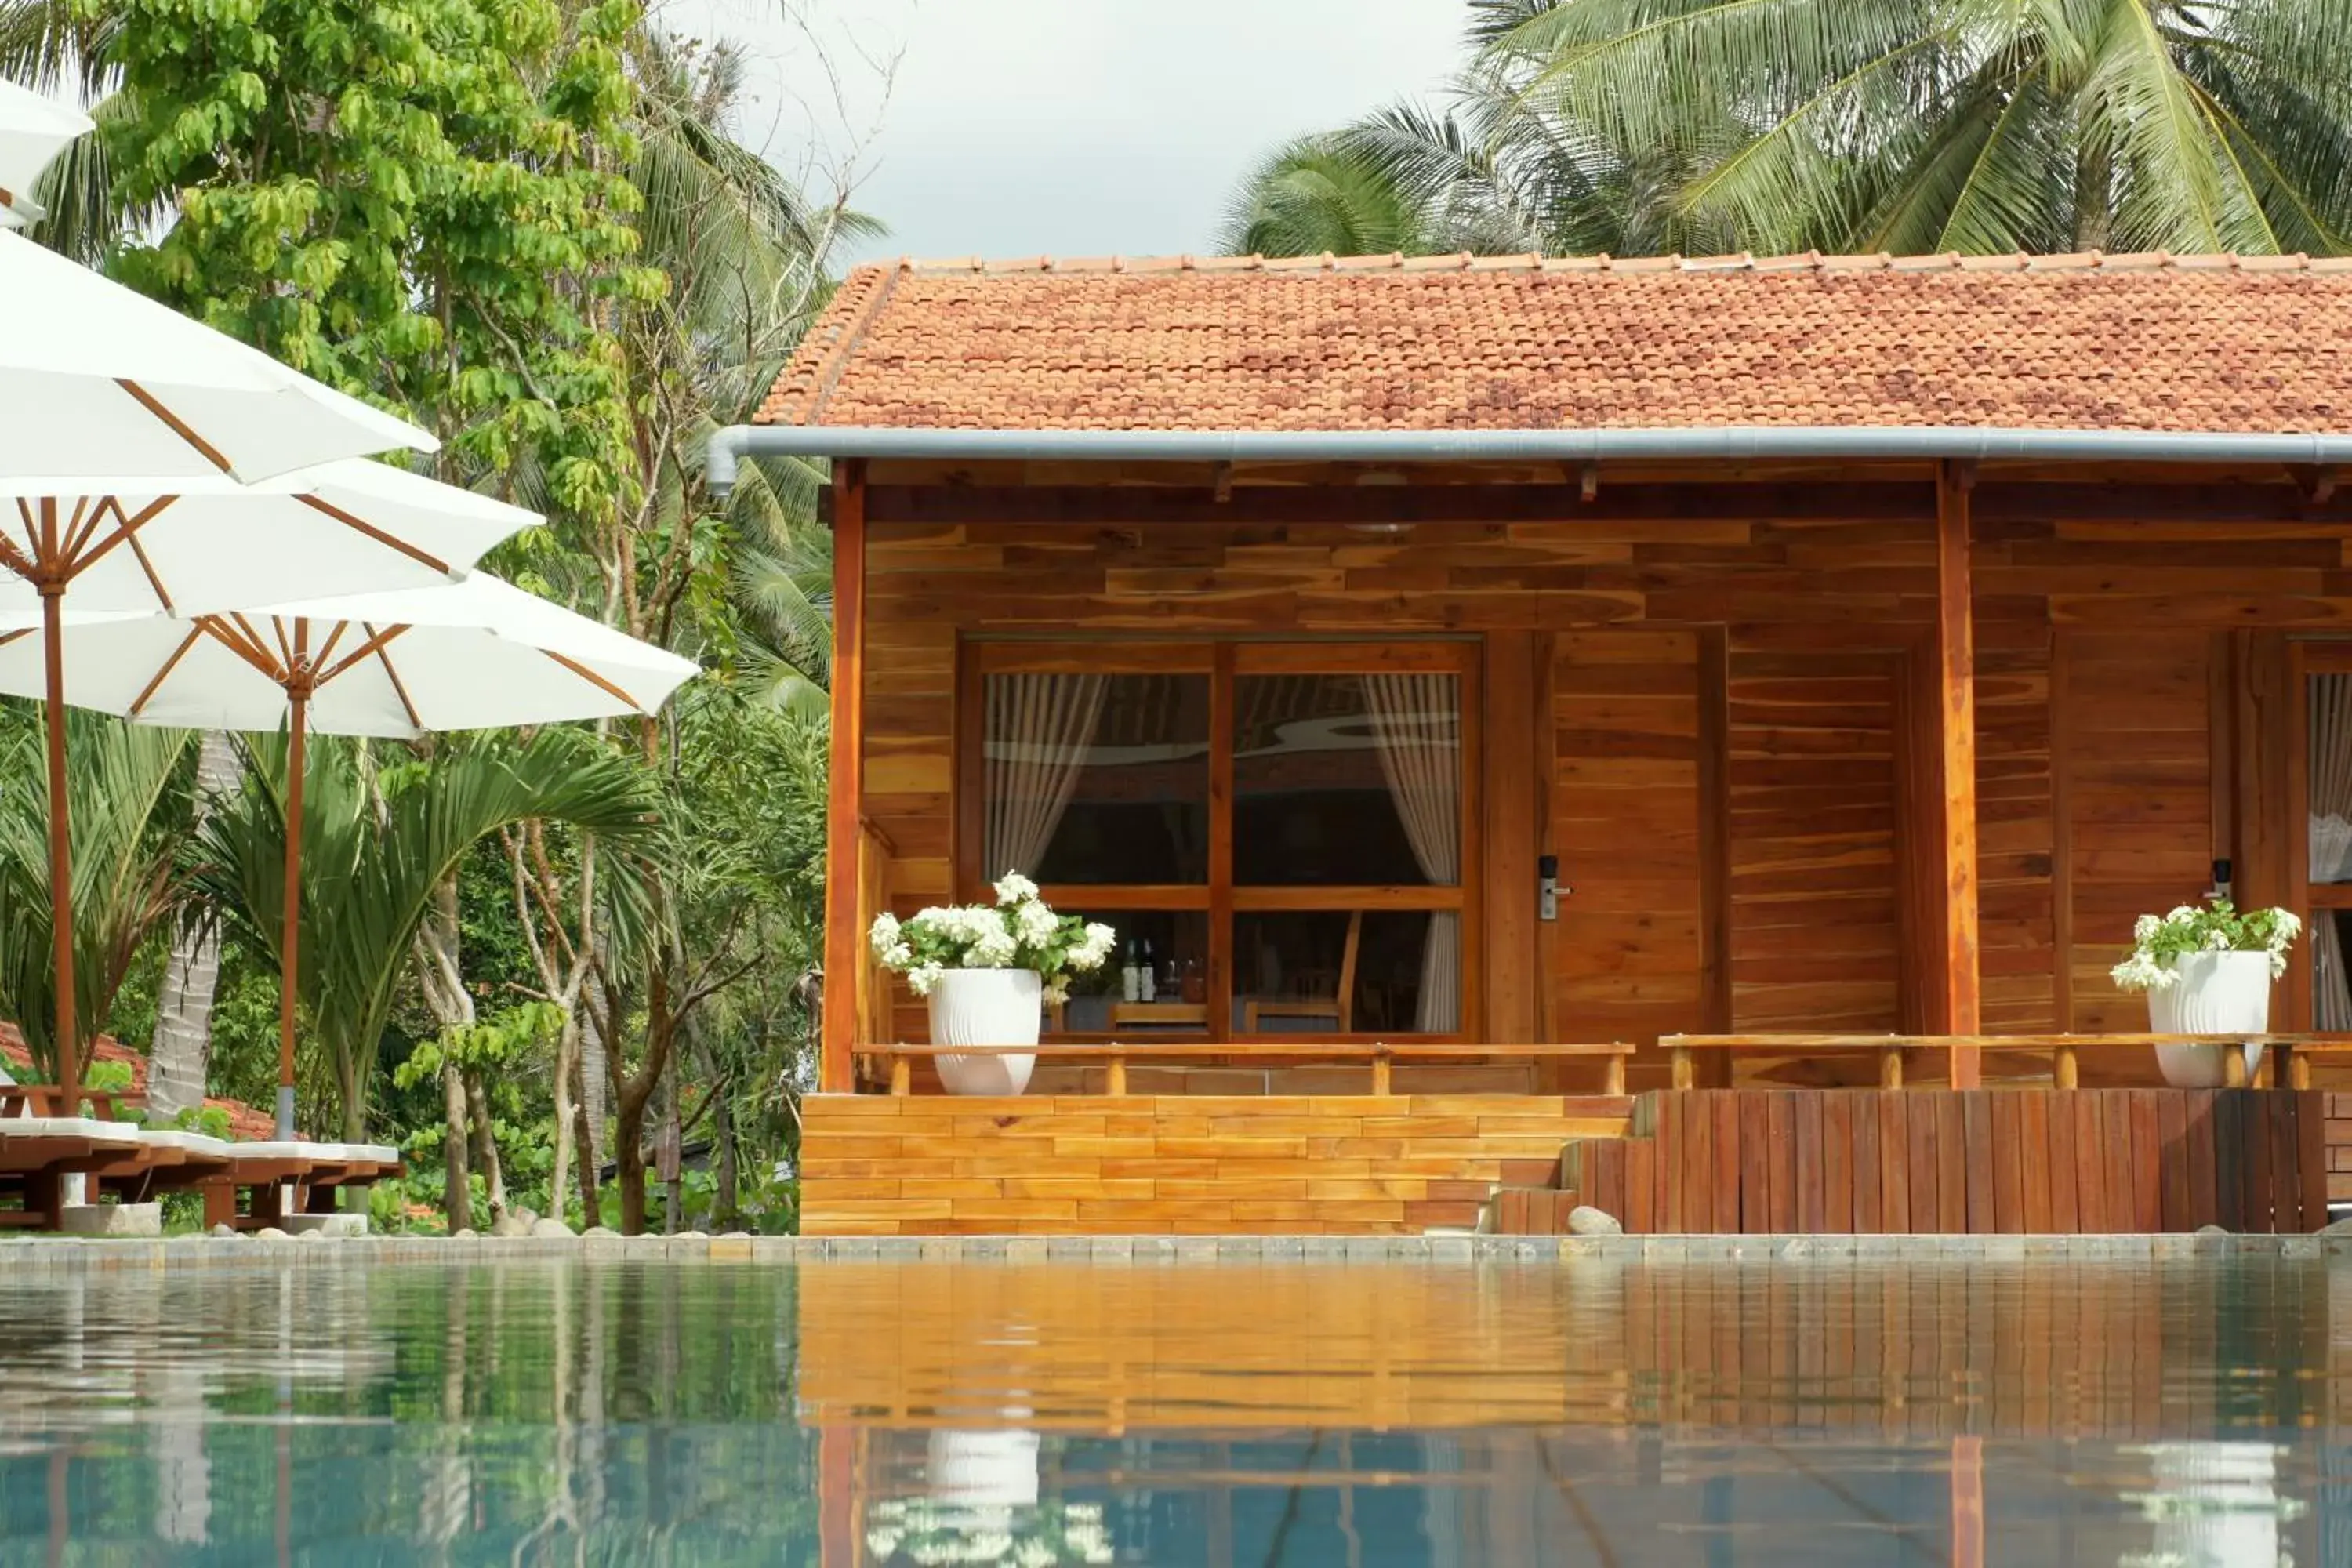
x=473, y=654
x=347, y=527
x=33, y=131
x=98, y=379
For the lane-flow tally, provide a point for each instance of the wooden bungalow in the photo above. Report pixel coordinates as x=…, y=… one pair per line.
x=1467, y=674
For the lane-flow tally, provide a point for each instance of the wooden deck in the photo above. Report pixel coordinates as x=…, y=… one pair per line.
x=1270, y=1164
x=1978, y=1163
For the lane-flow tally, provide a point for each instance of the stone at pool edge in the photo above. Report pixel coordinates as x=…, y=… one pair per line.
x=549, y=1228
x=1586, y=1220
x=2339, y=1228
x=141, y=1222
x=337, y=1225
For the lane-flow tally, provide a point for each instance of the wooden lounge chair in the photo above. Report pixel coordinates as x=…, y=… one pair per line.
x=38, y=1153
x=293, y=1176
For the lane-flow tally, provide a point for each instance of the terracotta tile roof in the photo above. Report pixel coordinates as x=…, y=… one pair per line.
x=2221, y=344
x=244, y=1124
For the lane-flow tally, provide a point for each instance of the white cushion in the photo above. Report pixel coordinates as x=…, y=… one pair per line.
x=69, y=1127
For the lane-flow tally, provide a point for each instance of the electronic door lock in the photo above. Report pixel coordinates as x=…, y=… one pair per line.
x=1547, y=887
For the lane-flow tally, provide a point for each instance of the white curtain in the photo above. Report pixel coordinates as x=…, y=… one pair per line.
x=2331, y=778
x=1416, y=722
x=2331, y=989
x=2330, y=846
x=1040, y=729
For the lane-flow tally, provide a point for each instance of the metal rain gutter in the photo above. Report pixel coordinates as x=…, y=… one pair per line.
x=1718, y=444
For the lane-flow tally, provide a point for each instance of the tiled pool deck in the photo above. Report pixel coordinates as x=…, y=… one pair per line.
x=58, y=1253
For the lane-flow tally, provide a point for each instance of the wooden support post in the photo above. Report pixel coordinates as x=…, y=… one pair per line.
x=1890, y=1068
x=2065, y=1072
x=2233, y=1065
x=1115, y=1081
x=902, y=1078
x=1685, y=1070
x=1381, y=1072
x=1613, y=1077
x=844, y=944
x=2298, y=1072
x=1953, y=846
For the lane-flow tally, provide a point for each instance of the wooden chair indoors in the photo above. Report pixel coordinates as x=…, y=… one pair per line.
x=1337, y=1005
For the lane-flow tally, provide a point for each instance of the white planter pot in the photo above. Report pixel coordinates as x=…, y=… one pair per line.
x=2217, y=994
x=996, y=1467
x=986, y=1008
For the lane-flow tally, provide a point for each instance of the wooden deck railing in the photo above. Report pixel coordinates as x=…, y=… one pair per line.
x=1378, y=1056
x=872, y=999
x=1892, y=1051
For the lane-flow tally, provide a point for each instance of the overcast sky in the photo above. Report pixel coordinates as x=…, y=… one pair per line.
x=1071, y=127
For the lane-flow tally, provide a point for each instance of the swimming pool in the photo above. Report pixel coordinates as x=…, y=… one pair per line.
x=1821, y=1412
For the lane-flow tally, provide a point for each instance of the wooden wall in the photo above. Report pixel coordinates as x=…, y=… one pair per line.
x=1814, y=917
x=1745, y=646
x=1630, y=947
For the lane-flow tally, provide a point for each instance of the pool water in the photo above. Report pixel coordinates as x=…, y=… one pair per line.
x=1821, y=1412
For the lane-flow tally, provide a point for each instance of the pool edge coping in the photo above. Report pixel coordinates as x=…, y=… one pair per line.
x=50, y=1253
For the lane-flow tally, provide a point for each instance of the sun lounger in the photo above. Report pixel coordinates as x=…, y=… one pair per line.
x=291, y=1176
x=38, y=1153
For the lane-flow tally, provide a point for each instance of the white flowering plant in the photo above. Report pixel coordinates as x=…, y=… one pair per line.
x=2219, y=927
x=938, y=1534
x=1020, y=930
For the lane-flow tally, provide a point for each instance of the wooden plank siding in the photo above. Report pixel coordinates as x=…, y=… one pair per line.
x=2103, y=635
x=1147, y=1164
x=2253, y=1161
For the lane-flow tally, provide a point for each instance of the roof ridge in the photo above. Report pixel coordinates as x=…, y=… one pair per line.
x=1743, y=261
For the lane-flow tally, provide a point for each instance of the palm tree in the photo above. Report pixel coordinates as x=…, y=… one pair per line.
x=380, y=835
x=127, y=797
x=1908, y=126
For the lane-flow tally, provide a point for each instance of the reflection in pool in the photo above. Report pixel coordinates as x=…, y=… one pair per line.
x=1822, y=1413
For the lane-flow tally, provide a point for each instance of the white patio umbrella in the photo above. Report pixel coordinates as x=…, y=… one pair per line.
x=469, y=655
x=33, y=131
x=98, y=380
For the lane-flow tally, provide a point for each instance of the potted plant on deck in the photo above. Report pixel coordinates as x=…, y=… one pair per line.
x=2207, y=972
x=988, y=972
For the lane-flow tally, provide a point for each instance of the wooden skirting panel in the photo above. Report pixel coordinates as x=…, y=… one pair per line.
x=2025, y=1162
x=1140, y=1165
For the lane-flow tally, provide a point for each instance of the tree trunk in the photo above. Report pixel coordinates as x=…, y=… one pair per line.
x=591, y=1203
x=452, y=1007
x=567, y=1052
x=182, y=1047
x=672, y=1143
x=458, y=1202
x=486, y=1146
x=595, y=1102
x=727, y=1205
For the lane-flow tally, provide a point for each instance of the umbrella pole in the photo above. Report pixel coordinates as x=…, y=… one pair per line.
x=289, y=948
x=61, y=931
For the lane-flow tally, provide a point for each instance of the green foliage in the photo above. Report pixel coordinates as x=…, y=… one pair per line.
x=1910, y=126
x=113, y=1078
x=376, y=841
x=418, y=201
x=127, y=789
x=2217, y=927
x=495, y=1042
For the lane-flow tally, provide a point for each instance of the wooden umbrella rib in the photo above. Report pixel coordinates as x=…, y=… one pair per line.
x=594, y=679
x=388, y=540
x=240, y=643
x=128, y=529
x=7, y=637
x=170, y=665
x=375, y=641
x=155, y=578
x=327, y=648
x=86, y=519
x=393, y=675
x=173, y=423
